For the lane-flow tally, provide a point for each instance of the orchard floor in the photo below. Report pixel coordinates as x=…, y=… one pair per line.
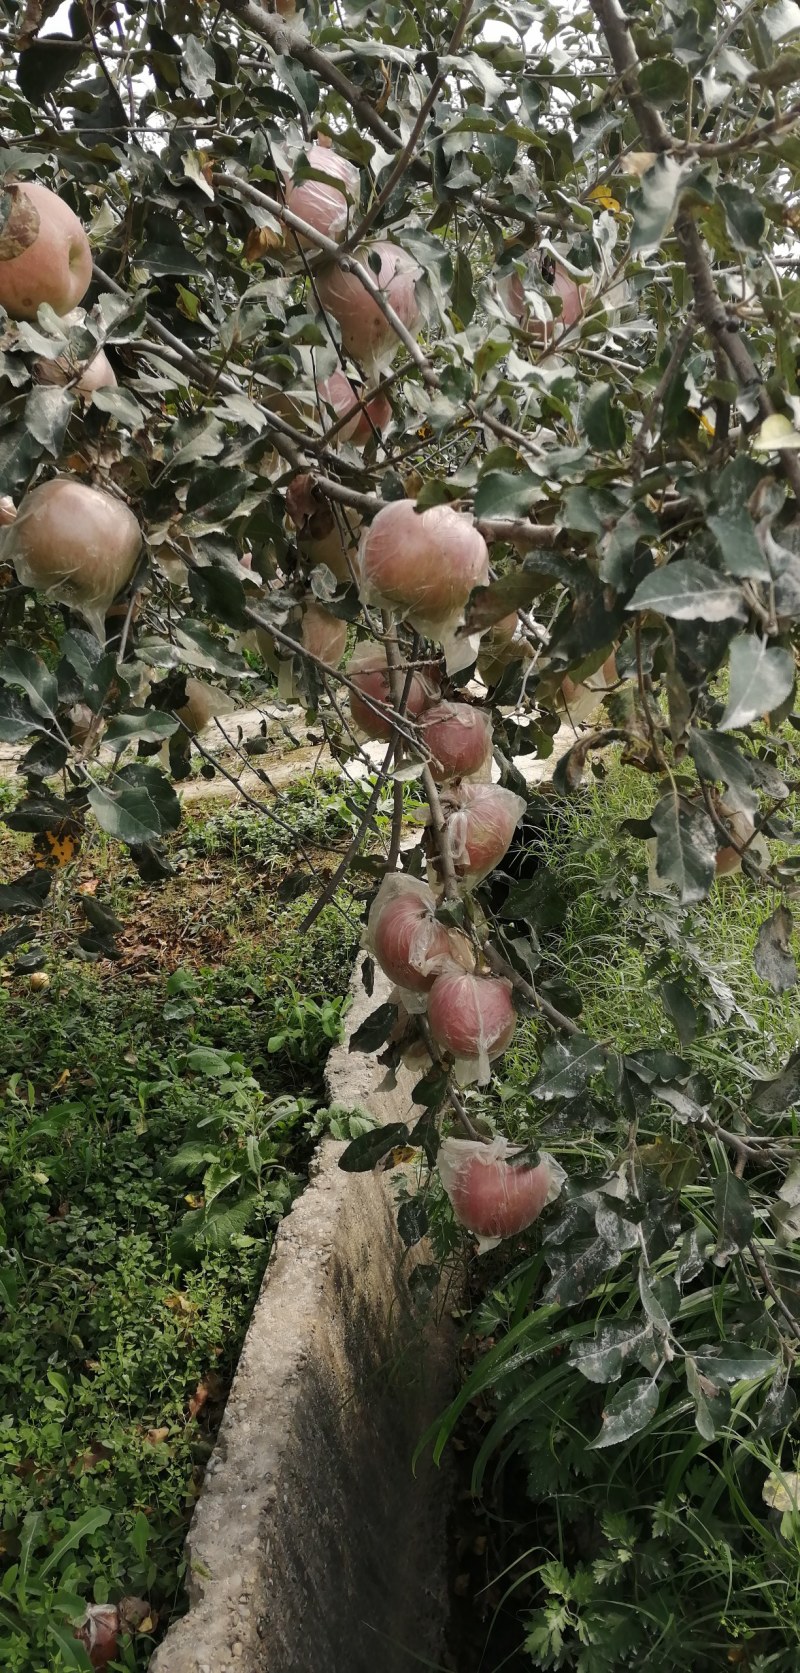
x=157, y=1115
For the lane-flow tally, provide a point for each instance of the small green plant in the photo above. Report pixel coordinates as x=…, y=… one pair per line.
x=39, y=1603
x=305, y=1029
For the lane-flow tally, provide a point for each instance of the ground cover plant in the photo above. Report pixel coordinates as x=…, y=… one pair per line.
x=444, y=359
x=671, y=1541
x=156, y=1119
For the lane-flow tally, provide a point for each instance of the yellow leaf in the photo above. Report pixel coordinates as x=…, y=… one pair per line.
x=605, y=197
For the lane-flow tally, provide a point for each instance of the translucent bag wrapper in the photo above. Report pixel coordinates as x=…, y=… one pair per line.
x=424, y=565
x=473, y=1018
x=75, y=544
x=491, y=1198
x=481, y=823
x=408, y=942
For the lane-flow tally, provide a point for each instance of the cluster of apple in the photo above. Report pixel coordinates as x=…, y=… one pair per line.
x=78, y=544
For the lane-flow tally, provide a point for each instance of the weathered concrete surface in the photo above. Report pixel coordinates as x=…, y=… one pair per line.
x=314, y=1549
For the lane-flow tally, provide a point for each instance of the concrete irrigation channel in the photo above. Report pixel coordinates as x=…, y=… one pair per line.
x=314, y=1547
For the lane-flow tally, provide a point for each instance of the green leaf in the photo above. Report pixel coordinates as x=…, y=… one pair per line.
x=743, y=214
x=721, y=759
x=369, y=1148
x=506, y=494
x=48, y=410
x=689, y=591
x=686, y=847
x=198, y=70
x=136, y=805
x=732, y=524
x=680, y=1008
x=461, y=291
x=412, y=1221
x=664, y=82
x=735, y=1218
x=119, y=404
x=101, y=919
x=761, y=679
x=22, y=668
x=603, y=420
x=734, y=1362
x=655, y=203
x=44, y=64
x=630, y=1411
x=566, y=1068
x=603, y=1358
x=88, y=1523
x=375, y=1028
x=205, y=1060
x=148, y=724
x=772, y=956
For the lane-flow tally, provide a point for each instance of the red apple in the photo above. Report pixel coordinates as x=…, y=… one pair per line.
x=480, y=827
x=99, y=1633
x=97, y=374
x=473, y=1018
x=323, y=204
x=459, y=738
x=79, y=545
x=44, y=252
x=573, y=300
x=323, y=635
x=366, y=333
x=424, y=564
x=370, y=675
x=338, y=392
x=489, y=1196
x=408, y=942
x=325, y=534
x=502, y=644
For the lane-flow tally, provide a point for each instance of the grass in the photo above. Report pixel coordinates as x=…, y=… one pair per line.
x=156, y=1119
x=619, y=943
x=657, y=1550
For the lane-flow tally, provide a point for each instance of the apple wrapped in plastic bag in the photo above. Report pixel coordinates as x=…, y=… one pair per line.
x=409, y=943
x=481, y=823
x=473, y=1018
x=490, y=1196
x=75, y=544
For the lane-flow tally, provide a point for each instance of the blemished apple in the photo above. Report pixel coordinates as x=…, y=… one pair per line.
x=76, y=544
x=366, y=332
x=44, y=252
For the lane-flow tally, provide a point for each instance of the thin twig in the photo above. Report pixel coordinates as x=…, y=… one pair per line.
x=793, y=1323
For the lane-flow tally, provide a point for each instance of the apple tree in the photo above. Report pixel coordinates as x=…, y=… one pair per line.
x=441, y=362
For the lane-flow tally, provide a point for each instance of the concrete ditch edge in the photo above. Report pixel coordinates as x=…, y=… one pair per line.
x=313, y=1547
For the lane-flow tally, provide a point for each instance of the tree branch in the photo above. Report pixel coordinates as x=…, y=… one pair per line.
x=710, y=309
